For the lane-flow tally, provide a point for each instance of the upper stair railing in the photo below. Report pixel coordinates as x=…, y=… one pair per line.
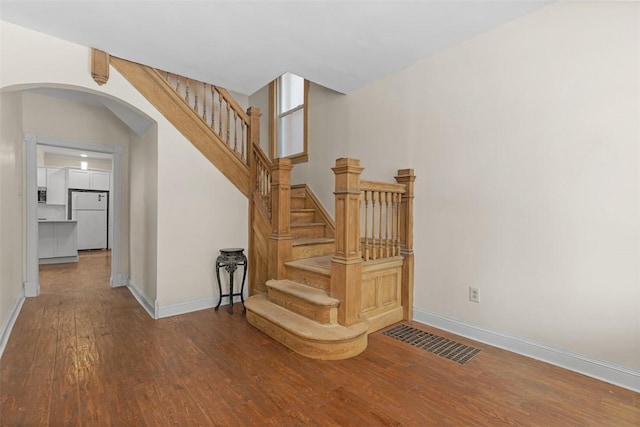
x=217, y=108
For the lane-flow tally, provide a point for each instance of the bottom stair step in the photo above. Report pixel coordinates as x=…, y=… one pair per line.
x=305, y=336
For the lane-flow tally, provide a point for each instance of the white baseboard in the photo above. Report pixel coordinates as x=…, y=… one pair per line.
x=118, y=280
x=142, y=299
x=190, y=306
x=31, y=289
x=608, y=372
x=8, y=324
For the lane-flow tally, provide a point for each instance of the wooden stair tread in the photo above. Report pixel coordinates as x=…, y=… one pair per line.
x=307, y=224
x=302, y=210
x=303, y=241
x=319, y=264
x=300, y=325
x=307, y=293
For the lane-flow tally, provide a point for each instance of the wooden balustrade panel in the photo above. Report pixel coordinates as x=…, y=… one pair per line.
x=381, y=292
x=217, y=109
x=380, y=220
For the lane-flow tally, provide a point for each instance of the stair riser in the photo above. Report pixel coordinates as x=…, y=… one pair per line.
x=322, y=350
x=302, y=216
x=309, y=278
x=297, y=202
x=308, y=251
x=320, y=313
x=310, y=231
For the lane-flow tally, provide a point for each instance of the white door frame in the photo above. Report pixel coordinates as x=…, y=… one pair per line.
x=32, y=282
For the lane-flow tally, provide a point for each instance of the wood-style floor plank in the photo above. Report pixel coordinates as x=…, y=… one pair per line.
x=84, y=354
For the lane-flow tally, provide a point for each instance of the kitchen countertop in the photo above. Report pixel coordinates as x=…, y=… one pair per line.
x=57, y=220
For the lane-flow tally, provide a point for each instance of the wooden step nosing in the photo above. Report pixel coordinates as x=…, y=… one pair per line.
x=307, y=224
x=310, y=330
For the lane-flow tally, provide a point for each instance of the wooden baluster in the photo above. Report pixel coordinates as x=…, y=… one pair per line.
x=195, y=96
x=219, y=114
x=374, y=199
x=380, y=243
x=242, y=139
x=367, y=195
x=213, y=108
x=235, y=131
x=204, y=103
x=387, y=246
x=186, y=97
x=228, y=122
x=178, y=84
x=394, y=226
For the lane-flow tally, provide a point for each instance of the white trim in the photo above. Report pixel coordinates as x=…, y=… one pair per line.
x=142, y=299
x=31, y=289
x=608, y=372
x=32, y=286
x=5, y=333
x=191, y=306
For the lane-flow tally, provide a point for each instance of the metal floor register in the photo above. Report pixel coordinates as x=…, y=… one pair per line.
x=435, y=344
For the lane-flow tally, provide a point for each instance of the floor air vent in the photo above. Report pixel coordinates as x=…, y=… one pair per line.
x=433, y=343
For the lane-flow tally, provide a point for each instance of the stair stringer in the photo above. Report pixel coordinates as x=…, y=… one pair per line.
x=156, y=90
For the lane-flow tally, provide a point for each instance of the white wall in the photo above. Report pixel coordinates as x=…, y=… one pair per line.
x=11, y=214
x=144, y=212
x=199, y=211
x=260, y=99
x=525, y=144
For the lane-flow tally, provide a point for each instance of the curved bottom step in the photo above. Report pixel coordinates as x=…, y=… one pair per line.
x=305, y=336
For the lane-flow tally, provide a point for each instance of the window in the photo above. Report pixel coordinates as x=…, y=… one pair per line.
x=288, y=124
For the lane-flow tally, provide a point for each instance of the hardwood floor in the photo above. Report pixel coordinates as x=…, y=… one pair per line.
x=85, y=354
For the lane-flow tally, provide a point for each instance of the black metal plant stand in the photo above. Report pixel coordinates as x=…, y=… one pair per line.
x=230, y=259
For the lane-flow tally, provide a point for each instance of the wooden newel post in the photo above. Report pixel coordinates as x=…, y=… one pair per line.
x=280, y=239
x=253, y=139
x=253, y=135
x=407, y=177
x=346, y=265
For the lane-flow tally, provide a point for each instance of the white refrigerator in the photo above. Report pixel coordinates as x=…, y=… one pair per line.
x=90, y=209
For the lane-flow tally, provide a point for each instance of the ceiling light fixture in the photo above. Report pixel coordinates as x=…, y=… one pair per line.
x=83, y=155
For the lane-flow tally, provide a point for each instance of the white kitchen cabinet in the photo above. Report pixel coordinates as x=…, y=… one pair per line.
x=89, y=180
x=45, y=240
x=57, y=241
x=100, y=180
x=56, y=186
x=79, y=179
x=42, y=177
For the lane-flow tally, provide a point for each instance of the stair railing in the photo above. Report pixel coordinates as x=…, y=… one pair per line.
x=217, y=108
x=374, y=223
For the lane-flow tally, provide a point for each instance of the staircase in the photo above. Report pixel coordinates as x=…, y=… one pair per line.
x=297, y=310
x=319, y=283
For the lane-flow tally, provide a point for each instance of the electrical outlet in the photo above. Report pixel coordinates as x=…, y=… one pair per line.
x=474, y=294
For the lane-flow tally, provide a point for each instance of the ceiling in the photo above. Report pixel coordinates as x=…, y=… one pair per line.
x=242, y=45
